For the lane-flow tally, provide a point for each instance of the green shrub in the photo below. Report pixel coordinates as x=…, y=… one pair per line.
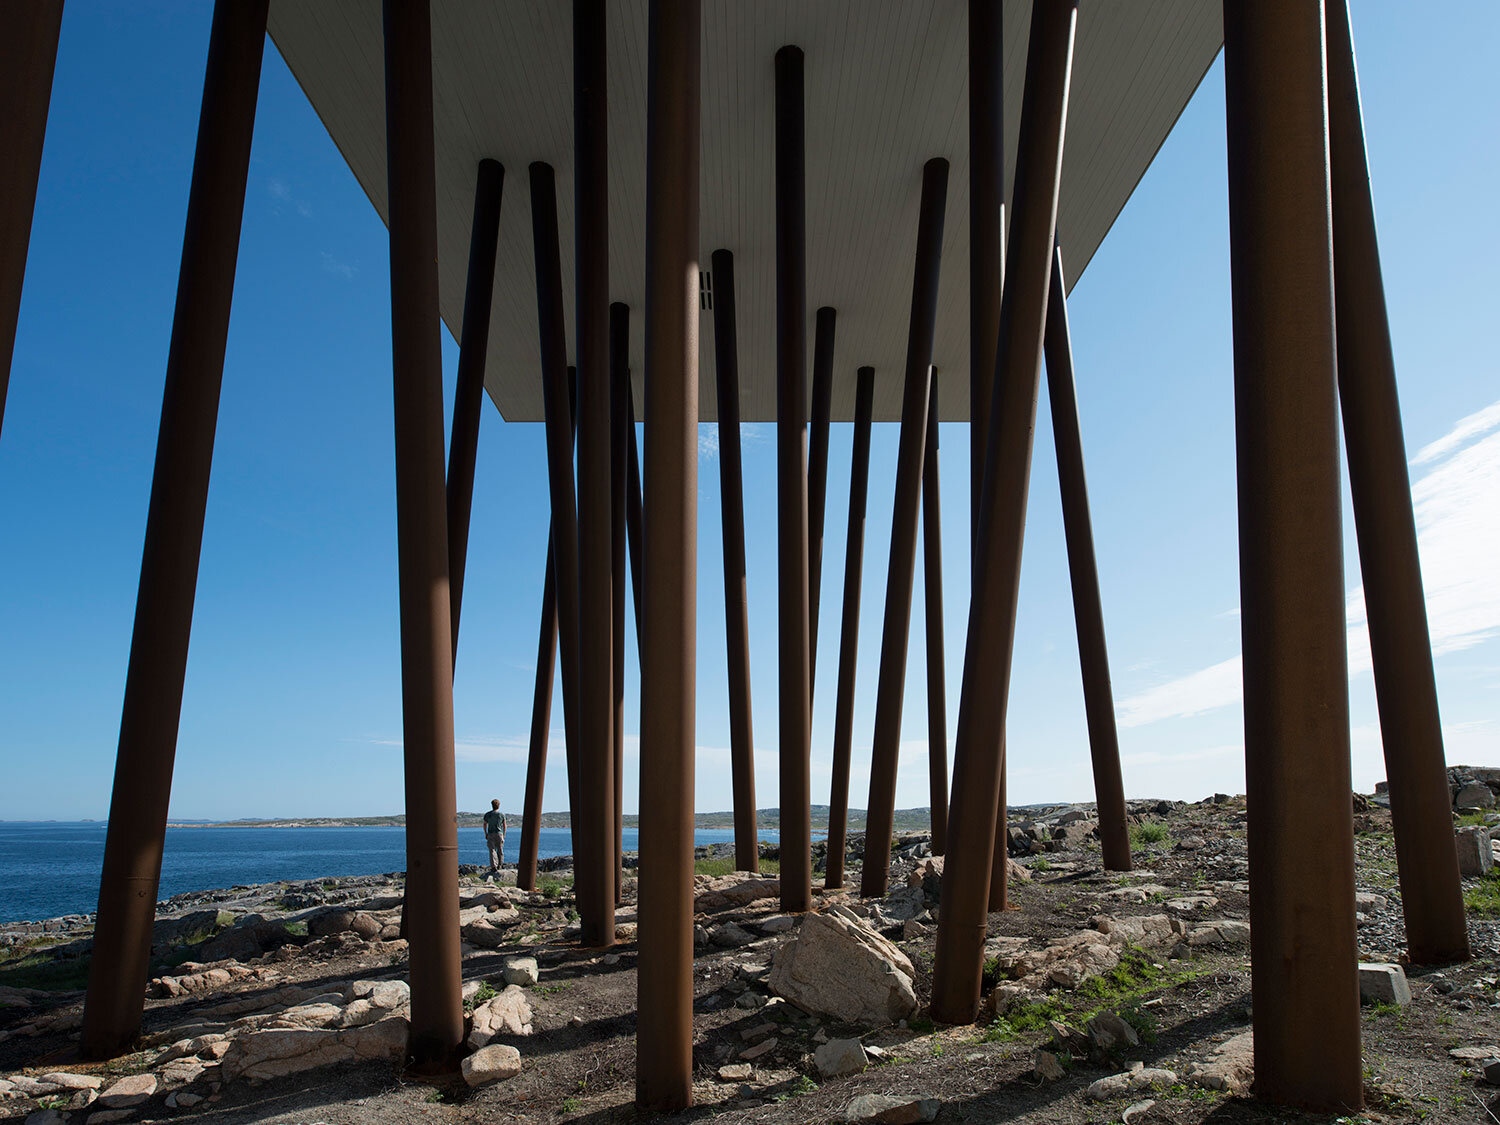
x=1148, y=832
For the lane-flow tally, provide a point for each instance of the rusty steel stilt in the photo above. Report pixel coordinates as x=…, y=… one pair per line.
x=468, y=393
x=541, y=729
x=664, y=1064
x=854, y=553
x=593, y=818
x=555, y=380
x=1088, y=610
x=1303, y=949
x=736, y=605
x=29, y=32
x=634, y=518
x=174, y=533
x=1400, y=644
x=817, y=477
x=986, y=277
x=909, y=457
x=541, y=699
x=793, y=681
x=437, y=1017
x=959, y=964
x=932, y=574
x=619, y=423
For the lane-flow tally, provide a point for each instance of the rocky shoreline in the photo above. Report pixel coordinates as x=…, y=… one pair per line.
x=1104, y=992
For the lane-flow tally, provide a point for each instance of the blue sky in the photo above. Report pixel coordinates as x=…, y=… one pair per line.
x=292, y=703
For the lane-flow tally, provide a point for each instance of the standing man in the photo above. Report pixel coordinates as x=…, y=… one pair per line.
x=494, y=836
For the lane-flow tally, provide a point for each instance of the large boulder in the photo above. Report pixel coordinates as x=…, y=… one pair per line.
x=1475, y=857
x=491, y=1064
x=733, y=892
x=509, y=1013
x=839, y=967
x=1230, y=1068
x=1474, y=795
x=277, y=1052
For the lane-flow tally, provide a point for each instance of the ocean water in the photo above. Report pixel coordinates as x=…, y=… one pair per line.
x=51, y=868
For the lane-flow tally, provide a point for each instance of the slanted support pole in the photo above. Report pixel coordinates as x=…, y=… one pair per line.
x=1400, y=645
x=174, y=534
x=794, y=678
x=959, y=964
x=1303, y=949
x=854, y=553
x=28, y=55
x=986, y=275
x=932, y=574
x=817, y=478
x=736, y=606
x=555, y=407
x=468, y=392
x=541, y=699
x=910, y=452
x=619, y=435
x=593, y=818
x=664, y=1064
x=437, y=1017
x=1088, y=609
x=635, y=534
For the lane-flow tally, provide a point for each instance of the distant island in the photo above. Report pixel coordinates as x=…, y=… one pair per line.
x=907, y=820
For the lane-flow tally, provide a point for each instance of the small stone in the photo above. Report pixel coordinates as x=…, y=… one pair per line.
x=1045, y=1065
x=1137, y=1078
x=522, y=971
x=610, y=959
x=1492, y=1071
x=731, y=935
x=911, y=929
x=760, y=1050
x=1367, y=901
x=128, y=1092
x=65, y=1081
x=187, y=1099
x=1135, y=1109
x=759, y=1031
x=1475, y=1054
x=1381, y=983
x=778, y=924
x=1108, y=1033
x=839, y=1057
x=736, y=1072
x=882, y=1109
x=494, y=1063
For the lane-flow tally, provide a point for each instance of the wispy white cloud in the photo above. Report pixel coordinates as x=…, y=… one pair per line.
x=336, y=267
x=1457, y=507
x=1472, y=426
x=708, y=441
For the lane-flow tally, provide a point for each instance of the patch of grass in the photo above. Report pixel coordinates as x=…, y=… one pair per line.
x=571, y=1105
x=1470, y=820
x=48, y=974
x=484, y=993
x=330, y=884
x=921, y=1025
x=803, y=1085
x=434, y=1097
x=550, y=989
x=553, y=885
x=1148, y=832
x=724, y=865
x=1024, y=1016
x=1483, y=898
x=1041, y=863
x=1379, y=1010
x=296, y=929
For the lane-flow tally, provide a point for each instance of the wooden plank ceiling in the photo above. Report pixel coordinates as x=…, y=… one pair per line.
x=886, y=89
